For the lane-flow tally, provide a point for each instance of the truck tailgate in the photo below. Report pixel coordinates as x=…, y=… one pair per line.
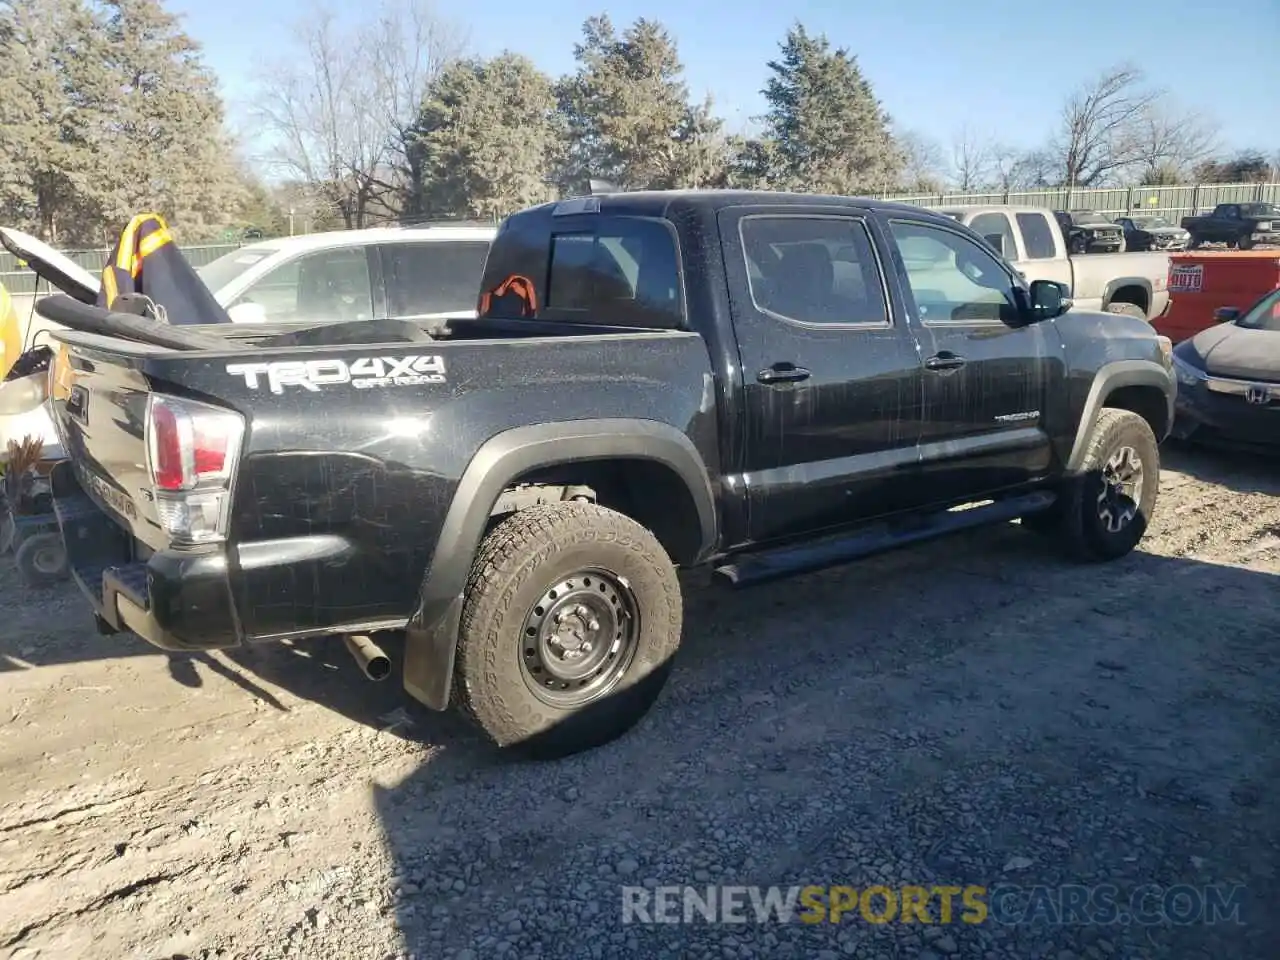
x=99, y=409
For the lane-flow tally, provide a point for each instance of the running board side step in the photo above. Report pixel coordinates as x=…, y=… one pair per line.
x=750, y=571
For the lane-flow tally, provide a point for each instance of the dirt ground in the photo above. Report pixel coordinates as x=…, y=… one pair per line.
x=976, y=711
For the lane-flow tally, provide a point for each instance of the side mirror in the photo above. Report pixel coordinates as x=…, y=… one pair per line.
x=997, y=242
x=1048, y=299
x=1226, y=314
x=246, y=311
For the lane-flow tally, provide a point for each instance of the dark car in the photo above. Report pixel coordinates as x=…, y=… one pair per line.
x=1087, y=231
x=1145, y=231
x=1229, y=379
x=766, y=384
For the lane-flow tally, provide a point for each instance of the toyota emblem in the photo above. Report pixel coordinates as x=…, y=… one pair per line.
x=1258, y=395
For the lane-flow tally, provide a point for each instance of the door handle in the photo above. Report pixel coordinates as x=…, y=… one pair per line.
x=944, y=361
x=782, y=373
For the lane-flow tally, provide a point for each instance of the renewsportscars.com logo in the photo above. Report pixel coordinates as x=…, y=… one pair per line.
x=363, y=372
x=1006, y=904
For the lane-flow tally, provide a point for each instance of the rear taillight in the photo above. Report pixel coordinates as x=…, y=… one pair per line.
x=192, y=451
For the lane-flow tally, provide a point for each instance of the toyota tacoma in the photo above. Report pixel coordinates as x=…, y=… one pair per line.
x=764, y=384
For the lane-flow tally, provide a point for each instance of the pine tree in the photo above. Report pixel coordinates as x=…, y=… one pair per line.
x=486, y=138
x=825, y=131
x=627, y=113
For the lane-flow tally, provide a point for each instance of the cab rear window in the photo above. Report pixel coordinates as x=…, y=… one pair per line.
x=625, y=271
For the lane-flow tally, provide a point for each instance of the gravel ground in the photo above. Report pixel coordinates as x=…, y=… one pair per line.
x=973, y=712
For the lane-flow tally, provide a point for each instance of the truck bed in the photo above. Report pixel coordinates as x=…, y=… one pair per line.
x=351, y=453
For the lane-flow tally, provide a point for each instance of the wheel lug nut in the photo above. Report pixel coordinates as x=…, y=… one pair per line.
x=594, y=624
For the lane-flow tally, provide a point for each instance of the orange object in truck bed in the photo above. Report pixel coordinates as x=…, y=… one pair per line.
x=1200, y=281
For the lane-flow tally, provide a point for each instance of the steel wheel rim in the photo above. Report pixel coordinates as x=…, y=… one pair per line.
x=1121, y=494
x=47, y=560
x=579, y=637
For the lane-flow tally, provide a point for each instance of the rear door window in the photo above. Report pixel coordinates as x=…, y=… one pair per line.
x=439, y=276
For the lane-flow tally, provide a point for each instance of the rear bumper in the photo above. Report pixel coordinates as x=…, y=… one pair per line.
x=172, y=600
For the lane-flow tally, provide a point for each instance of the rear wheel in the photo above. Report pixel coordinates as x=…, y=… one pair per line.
x=41, y=560
x=1128, y=309
x=571, y=619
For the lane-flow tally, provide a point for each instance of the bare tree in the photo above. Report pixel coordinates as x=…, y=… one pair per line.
x=1171, y=142
x=1100, y=133
x=1013, y=168
x=337, y=111
x=923, y=164
x=972, y=159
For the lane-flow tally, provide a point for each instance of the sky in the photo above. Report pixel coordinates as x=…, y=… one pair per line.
x=1003, y=68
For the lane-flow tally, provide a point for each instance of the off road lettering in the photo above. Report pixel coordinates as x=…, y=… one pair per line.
x=362, y=373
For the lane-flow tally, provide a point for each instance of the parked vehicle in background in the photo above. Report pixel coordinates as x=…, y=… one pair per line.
x=1148, y=231
x=405, y=272
x=1229, y=379
x=1030, y=237
x=1242, y=225
x=428, y=271
x=765, y=383
x=1088, y=231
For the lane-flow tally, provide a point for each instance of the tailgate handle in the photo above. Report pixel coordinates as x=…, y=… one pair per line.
x=944, y=361
x=784, y=372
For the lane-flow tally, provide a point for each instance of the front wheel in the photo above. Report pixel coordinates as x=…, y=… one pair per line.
x=1106, y=509
x=571, y=619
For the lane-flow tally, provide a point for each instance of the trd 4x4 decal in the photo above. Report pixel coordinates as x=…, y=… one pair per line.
x=363, y=372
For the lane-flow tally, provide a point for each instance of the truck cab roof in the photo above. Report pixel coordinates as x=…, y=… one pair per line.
x=665, y=203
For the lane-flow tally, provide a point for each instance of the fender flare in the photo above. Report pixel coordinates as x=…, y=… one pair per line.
x=431, y=635
x=1109, y=378
x=1112, y=286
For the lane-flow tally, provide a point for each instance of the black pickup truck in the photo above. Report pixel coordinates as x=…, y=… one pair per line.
x=764, y=383
x=1242, y=225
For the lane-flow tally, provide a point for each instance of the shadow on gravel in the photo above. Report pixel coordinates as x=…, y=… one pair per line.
x=1241, y=471
x=759, y=715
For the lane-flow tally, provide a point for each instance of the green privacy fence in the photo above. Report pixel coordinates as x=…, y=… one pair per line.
x=19, y=280
x=1173, y=203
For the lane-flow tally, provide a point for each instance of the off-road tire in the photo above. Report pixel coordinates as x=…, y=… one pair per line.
x=1084, y=532
x=524, y=556
x=41, y=560
x=1127, y=309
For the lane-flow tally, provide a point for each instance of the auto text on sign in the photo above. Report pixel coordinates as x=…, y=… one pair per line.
x=1186, y=278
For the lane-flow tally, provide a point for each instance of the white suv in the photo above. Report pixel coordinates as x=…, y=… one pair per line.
x=403, y=272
